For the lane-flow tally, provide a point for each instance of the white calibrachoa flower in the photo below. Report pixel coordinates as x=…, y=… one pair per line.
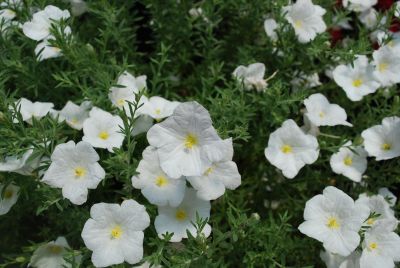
x=252, y=76
x=75, y=169
x=357, y=81
x=45, y=50
x=180, y=219
x=387, y=65
x=397, y=9
x=336, y=261
x=380, y=250
x=369, y=18
x=306, y=19
x=159, y=108
x=186, y=142
x=16, y=164
x=270, y=27
x=75, y=115
x=102, y=130
x=8, y=13
x=334, y=219
x=29, y=110
x=359, y=5
x=222, y=174
x=322, y=113
x=156, y=186
x=303, y=81
x=350, y=163
x=10, y=197
x=388, y=195
x=382, y=141
x=115, y=232
x=290, y=149
x=51, y=255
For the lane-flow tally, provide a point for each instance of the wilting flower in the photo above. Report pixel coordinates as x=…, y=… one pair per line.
x=303, y=81
x=159, y=108
x=9, y=198
x=388, y=195
x=369, y=18
x=270, y=27
x=334, y=219
x=251, y=76
x=290, y=149
x=75, y=115
x=29, y=110
x=382, y=141
x=179, y=220
x=359, y=5
x=306, y=19
x=115, y=232
x=387, y=65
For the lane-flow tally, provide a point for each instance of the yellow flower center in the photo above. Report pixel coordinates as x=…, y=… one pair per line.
x=190, y=141
x=158, y=111
x=56, y=49
x=370, y=221
x=74, y=120
x=383, y=67
x=348, y=161
x=55, y=249
x=8, y=194
x=120, y=102
x=286, y=149
x=180, y=215
x=357, y=83
x=208, y=171
x=332, y=223
x=79, y=172
x=298, y=24
x=104, y=135
x=321, y=114
x=116, y=232
x=161, y=181
x=373, y=246
x=386, y=146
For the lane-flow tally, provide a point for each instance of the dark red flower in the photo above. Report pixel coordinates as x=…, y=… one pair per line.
x=395, y=26
x=336, y=35
x=384, y=4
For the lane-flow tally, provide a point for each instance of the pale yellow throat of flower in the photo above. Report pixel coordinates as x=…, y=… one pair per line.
x=180, y=215
x=79, y=172
x=348, y=161
x=116, y=232
x=383, y=67
x=298, y=24
x=357, y=82
x=104, y=135
x=286, y=149
x=161, y=181
x=332, y=223
x=8, y=194
x=386, y=147
x=54, y=249
x=373, y=246
x=191, y=140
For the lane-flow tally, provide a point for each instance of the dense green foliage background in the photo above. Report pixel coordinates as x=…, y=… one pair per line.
x=187, y=58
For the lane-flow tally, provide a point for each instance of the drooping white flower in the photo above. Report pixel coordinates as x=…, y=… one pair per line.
x=45, y=50
x=179, y=219
x=382, y=141
x=9, y=198
x=334, y=219
x=380, y=250
x=388, y=195
x=351, y=163
x=290, y=149
x=159, y=108
x=17, y=164
x=270, y=27
x=359, y=5
x=102, y=130
x=322, y=113
x=303, y=81
x=75, y=169
x=8, y=13
x=397, y=9
x=369, y=18
x=223, y=173
x=31, y=110
x=75, y=115
x=115, y=232
x=357, y=81
x=387, y=65
x=155, y=185
x=251, y=76
x=186, y=142
x=306, y=19
x=51, y=255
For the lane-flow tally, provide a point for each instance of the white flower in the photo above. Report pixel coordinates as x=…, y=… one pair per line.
x=337, y=261
x=303, y=81
x=186, y=142
x=7, y=10
x=51, y=255
x=351, y=163
x=382, y=141
x=309, y=127
x=397, y=9
x=356, y=81
x=359, y=5
x=75, y=115
x=30, y=110
x=45, y=50
x=388, y=195
x=369, y=18
x=380, y=250
x=78, y=7
x=322, y=113
x=251, y=76
x=142, y=124
x=75, y=169
x=334, y=219
x=306, y=19
x=290, y=149
x=387, y=65
x=180, y=219
x=17, y=164
x=39, y=27
x=222, y=174
x=115, y=232
x=102, y=130
x=156, y=186
x=270, y=27
x=159, y=108
x=9, y=198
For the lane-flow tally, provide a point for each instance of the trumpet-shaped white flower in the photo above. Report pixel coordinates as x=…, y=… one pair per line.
x=51, y=255
x=45, y=50
x=159, y=108
x=359, y=5
x=186, y=142
x=336, y=261
x=102, y=130
x=179, y=220
x=75, y=115
x=387, y=65
x=380, y=250
x=222, y=174
x=357, y=81
x=322, y=113
x=388, y=195
x=351, y=163
x=252, y=76
x=334, y=219
x=8, y=11
x=382, y=141
x=115, y=232
x=156, y=186
x=369, y=18
x=9, y=198
x=306, y=19
x=270, y=27
x=17, y=164
x=29, y=110
x=290, y=149
x=75, y=169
